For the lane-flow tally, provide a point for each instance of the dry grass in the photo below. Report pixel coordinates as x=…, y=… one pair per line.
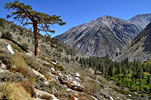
x=46, y=97
x=23, y=70
x=48, y=77
x=92, y=86
x=85, y=97
x=29, y=88
x=64, y=96
x=5, y=90
x=15, y=91
x=17, y=61
x=71, y=97
x=18, y=64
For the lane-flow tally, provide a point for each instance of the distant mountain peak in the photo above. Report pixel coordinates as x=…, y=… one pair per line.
x=141, y=20
x=104, y=35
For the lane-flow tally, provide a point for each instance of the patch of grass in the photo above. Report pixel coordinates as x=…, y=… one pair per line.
x=92, y=86
x=25, y=46
x=23, y=70
x=19, y=93
x=18, y=64
x=123, y=92
x=6, y=35
x=5, y=90
x=13, y=91
x=85, y=97
x=5, y=59
x=71, y=97
x=48, y=77
x=58, y=67
x=32, y=62
x=17, y=61
x=29, y=87
x=15, y=47
x=10, y=77
x=46, y=97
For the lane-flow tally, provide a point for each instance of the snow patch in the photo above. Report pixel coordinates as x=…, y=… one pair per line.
x=76, y=99
x=46, y=82
x=53, y=62
x=29, y=53
x=10, y=49
x=68, y=89
x=78, y=78
x=111, y=98
x=129, y=95
x=92, y=71
x=1, y=70
x=52, y=69
x=77, y=74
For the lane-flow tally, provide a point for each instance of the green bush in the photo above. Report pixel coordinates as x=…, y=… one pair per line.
x=2, y=25
x=15, y=47
x=25, y=46
x=19, y=39
x=6, y=35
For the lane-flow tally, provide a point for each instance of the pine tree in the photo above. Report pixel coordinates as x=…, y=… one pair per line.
x=40, y=21
x=148, y=79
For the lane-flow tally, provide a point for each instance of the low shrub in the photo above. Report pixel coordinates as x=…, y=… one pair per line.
x=71, y=97
x=10, y=77
x=19, y=39
x=5, y=59
x=17, y=61
x=46, y=97
x=6, y=35
x=23, y=70
x=25, y=46
x=92, y=86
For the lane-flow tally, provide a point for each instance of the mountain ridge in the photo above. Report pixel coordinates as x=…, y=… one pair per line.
x=140, y=47
x=105, y=35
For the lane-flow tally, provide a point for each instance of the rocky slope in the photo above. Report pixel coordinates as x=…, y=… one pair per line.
x=105, y=35
x=140, y=48
x=49, y=77
x=141, y=20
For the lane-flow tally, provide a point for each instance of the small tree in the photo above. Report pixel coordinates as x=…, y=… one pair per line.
x=40, y=21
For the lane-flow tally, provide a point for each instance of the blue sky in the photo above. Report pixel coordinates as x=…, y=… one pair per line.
x=76, y=12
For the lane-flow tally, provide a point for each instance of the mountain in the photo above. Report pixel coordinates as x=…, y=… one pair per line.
x=55, y=75
x=141, y=20
x=105, y=35
x=60, y=73
x=140, y=48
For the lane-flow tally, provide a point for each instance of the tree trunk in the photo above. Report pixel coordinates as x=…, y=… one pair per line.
x=36, y=39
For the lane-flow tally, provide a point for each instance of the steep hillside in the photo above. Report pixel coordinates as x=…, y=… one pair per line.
x=140, y=48
x=48, y=47
x=105, y=35
x=141, y=20
x=25, y=77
